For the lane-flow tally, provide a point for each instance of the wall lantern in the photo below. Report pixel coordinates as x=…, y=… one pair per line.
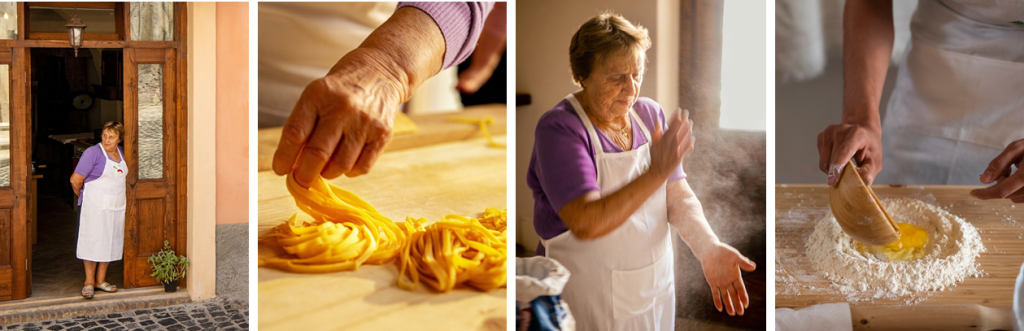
x=76, y=31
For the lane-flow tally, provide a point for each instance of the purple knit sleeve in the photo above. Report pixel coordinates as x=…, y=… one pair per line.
x=460, y=23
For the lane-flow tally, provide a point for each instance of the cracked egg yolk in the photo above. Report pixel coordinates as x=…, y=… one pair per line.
x=910, y=246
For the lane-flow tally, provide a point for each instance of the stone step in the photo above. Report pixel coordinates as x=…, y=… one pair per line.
x=30, y=310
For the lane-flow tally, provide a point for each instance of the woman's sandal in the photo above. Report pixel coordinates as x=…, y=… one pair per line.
x=106, y=287
x=87, y=292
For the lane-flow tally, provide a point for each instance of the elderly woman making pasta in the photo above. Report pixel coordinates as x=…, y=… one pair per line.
x=607, y=182
x=99, y=182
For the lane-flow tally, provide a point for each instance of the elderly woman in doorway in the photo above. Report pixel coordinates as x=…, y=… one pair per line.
x=607, y=180
x=99, y=182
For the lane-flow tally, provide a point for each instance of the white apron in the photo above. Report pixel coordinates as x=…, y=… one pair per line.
x=623, y=280
x=101, y=225
x=959, y=94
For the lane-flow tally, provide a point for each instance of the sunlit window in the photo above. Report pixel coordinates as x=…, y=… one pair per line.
x=743, y=66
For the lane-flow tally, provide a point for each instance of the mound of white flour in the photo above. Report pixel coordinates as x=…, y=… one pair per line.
x=953, y=246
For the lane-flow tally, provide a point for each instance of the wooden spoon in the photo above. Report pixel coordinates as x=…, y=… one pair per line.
x=859, y=212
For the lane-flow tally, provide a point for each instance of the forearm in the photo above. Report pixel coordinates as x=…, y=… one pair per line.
x=408, y=49
x=592, y=216
x=686, y=215
x=77, y=181
x=867, y=47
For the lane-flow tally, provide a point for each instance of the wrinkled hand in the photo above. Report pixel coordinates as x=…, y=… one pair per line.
x=342, y=121
x=838, y=143
x=1008, y=186
x=670, y=147
x=722, y=264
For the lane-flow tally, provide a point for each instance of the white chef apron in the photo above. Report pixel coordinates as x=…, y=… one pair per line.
x=623, y=280
x=959, y=94
x=101, y=224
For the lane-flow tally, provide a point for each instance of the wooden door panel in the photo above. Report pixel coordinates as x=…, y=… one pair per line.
x=15, y=246
x=150, y=215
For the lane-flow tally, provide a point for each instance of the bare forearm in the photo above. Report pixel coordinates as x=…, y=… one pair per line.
x=686, y=215
x=409, y=48
x=867, y=47
x=592, y=216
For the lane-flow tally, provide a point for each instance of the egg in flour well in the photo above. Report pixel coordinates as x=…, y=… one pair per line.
x=910, y=246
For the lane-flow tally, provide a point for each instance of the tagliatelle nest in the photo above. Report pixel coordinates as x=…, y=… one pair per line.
x=347, y=232
x=456, y=250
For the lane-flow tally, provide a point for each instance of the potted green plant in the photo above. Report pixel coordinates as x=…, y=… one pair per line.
x=168, y=268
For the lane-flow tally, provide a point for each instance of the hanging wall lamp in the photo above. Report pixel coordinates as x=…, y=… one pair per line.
x=76, y=31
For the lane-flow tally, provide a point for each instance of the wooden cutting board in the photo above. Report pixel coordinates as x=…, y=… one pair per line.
x=1000, y=224
x=432, y=129
x=452, y=178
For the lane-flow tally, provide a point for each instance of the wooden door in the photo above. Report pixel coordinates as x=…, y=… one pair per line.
x=15, y=246
x=151, y=150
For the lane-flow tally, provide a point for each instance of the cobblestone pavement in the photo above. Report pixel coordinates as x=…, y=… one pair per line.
x=215, y=314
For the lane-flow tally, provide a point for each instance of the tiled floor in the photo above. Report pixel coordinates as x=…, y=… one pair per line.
x=217, y=314
x=56, y=272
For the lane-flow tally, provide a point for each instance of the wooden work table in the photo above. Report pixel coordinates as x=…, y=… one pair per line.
x=432, y=129
x=999, y=222
x=457, y=177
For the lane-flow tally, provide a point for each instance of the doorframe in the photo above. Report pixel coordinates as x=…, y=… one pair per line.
x=17, y=50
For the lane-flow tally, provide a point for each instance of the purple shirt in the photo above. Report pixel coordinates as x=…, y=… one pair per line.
x=563, y=168
x=91, y=165
x=460, y=23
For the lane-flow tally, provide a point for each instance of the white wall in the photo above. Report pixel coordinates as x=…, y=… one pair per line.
x=804, y=109
x=543, y=32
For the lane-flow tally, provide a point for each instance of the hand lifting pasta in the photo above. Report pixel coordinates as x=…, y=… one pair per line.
x=348, y=232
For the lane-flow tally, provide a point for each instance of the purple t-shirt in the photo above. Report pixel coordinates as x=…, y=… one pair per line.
x=91, y=165
x=563, y=168
x=460, y=23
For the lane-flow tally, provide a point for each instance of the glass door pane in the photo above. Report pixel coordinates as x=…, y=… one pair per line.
x=151, y=121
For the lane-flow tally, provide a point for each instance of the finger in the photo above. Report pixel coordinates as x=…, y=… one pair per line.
x=716, y=296
x=1001, y=189
x=842, y=152
x=686, y=136
x=746, y=264
x=869, y=169
x=728, y=299
x=345, y=155
x=1001, y=164
x=824, y=149
x=367, y=158
x=1017, y=194
x=318, y=150
x=658, y=132
x=685, y=127
x=296, y=130
x=741, y=292
x=738, y=300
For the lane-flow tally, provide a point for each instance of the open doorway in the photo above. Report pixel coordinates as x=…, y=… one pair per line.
x=72, y=97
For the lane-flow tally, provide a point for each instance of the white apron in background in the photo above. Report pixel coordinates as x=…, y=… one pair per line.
x=302, y=41
x=959, y=94
x=101, y=225
x=623, y=280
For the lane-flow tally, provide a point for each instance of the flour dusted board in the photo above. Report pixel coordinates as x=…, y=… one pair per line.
x=1001, y=227
x=454, y=178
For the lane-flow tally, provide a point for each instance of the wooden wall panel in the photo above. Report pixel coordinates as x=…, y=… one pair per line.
x=5, y=240
x=151, y=226
x=5, y=283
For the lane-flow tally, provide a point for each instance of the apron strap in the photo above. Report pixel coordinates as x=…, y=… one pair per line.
x=595, y=142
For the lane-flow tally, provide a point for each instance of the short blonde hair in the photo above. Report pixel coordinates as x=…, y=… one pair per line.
x=600, y=36
x=116, y=127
